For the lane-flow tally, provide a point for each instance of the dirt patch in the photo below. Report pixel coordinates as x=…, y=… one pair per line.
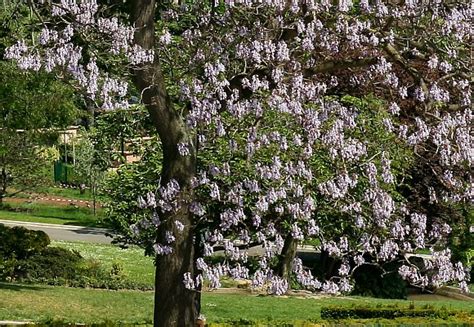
x=52, y=200
x=428, y=297
x=445, y=293
x=258, y=292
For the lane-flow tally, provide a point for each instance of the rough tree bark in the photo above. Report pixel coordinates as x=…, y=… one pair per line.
x=174, y=304
x=3, y=184
x=288, y=254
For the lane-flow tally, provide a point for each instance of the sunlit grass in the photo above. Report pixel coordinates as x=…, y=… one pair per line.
x=52, y=214
x=71, y=193
x=43, y=303
x=46, y=303
x=136, y=267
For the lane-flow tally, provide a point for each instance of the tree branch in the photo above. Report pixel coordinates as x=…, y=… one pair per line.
x=335, y=65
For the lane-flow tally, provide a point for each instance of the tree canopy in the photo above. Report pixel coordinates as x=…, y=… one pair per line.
x=309, y=104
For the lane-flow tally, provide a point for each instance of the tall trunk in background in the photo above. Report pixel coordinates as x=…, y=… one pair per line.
x=3, y=184
x=288, y=254
x=174, y=304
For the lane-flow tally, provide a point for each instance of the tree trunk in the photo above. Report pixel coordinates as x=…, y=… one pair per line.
x=287, y=256
x=174, y=304
x=3, y=186
x=326, y=268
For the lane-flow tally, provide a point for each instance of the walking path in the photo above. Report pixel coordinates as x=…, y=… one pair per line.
x=66, y=232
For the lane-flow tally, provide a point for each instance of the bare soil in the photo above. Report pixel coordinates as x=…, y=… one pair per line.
x=51, y=200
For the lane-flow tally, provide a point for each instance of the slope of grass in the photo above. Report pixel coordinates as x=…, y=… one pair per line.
x=51, y=214
x=43, y=303
x=136, y=266
x=235, y=307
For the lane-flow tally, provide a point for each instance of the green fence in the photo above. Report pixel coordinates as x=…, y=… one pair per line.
x=64, y=173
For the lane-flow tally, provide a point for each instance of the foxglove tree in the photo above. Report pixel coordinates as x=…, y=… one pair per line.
x=280, y=92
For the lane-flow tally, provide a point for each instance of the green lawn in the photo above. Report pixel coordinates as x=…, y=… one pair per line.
x=51, y=191
x=43, y=303
x=70, y=193
x=46, y=213
x=136, y=266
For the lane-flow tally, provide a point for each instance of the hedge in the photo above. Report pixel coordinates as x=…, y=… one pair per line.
x=382, y=312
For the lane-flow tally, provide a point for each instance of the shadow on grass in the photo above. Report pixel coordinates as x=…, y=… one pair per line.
x=87, y=221
x=67, y=221
x=90, y=231
x=45, y=218
x=59, y=217
x=20, y=287
x=85, y=224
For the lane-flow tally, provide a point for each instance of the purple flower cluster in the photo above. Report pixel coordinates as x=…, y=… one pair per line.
x=297, y=155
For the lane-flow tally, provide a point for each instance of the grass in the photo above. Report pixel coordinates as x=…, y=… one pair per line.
x=220, y=307
x=70, y=193
x=43, y=303
x=423, y=251
x=51, y=191
x=136, y=267
x=46, y=213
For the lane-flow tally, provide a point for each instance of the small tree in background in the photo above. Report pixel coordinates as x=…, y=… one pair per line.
x=24, y=164
x=31, y=108
x=32, y=105
x=121, y=133
x=89, y=173
x=123, y=187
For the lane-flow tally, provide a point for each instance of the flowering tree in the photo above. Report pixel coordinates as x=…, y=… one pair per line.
x=282, y=91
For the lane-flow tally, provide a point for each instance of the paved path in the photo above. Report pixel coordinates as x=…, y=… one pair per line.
x=65, y=232
x=97, y=235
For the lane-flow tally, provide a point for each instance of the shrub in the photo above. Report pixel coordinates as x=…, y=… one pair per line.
x=5, y=206
x=26, y=257
x=21, y=243
x=370, y=281
x=51, y=263
x=462, y=240
x=7, y=269
x=93, y=274
x=58, y=266
x=382, y=312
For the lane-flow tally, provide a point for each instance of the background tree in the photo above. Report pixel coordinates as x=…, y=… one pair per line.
x=23, y=164
x=124, y=186
x=119, y=133
x=88, y=171
x=30, y=106
x=218, y=75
